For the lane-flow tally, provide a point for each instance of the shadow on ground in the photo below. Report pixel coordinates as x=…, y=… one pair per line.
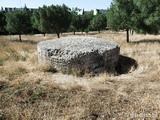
x=147, y=41
x=25, y=41
x=125, y=64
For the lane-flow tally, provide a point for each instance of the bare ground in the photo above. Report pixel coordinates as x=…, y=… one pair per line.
x=30, y=91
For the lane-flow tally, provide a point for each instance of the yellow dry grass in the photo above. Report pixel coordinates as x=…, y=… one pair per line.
x=29, y=91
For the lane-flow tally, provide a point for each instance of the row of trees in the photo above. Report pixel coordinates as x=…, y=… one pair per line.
x=50, y=19
x=141, y=16
x=136, y=15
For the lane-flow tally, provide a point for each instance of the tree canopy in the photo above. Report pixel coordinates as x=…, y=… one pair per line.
x=120, y=15
x=18, y=22
x=40, y=20
x=76, y=19
x=85, y=20
x=2, y=22
x=99, y=22
x=147, y=16
x=138, y=15
x=52, y=19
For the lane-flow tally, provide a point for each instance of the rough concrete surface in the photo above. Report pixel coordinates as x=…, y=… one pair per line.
x=79, y=54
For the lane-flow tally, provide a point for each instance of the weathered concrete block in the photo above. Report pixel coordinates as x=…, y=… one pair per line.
x=83, y=54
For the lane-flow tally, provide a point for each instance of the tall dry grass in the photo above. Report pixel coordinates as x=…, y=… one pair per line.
x=29, y=91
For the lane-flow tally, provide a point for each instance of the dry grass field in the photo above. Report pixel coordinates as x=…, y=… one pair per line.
x=31, y=91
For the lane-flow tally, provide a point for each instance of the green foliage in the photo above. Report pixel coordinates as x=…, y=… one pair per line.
x=62, y=18
x=35, y=21
x=3, y=85
x=113, y=14
x=86, y=30
x=2, y=22
x=18, y=22
x=52, y=19
x=120, y=14
x=99, y=22
x=85, y=20
x=36, y=94
x=76, y=19
x=147, y=16
x=138, y=15
x=1, y=62
x=43, y=19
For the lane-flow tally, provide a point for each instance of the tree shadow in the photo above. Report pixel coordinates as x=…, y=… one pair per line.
x=147, y=41
x=25, y=41
x=125, y=64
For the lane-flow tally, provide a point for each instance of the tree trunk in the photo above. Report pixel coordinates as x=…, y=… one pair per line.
x=20, y=38
x=74, y=32
x=58, y=35
x=44, y=34
x=99, y=31
x=127, y=30
x=132, y=32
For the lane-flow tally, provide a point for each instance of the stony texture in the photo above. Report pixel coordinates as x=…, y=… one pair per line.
x=79, y=54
